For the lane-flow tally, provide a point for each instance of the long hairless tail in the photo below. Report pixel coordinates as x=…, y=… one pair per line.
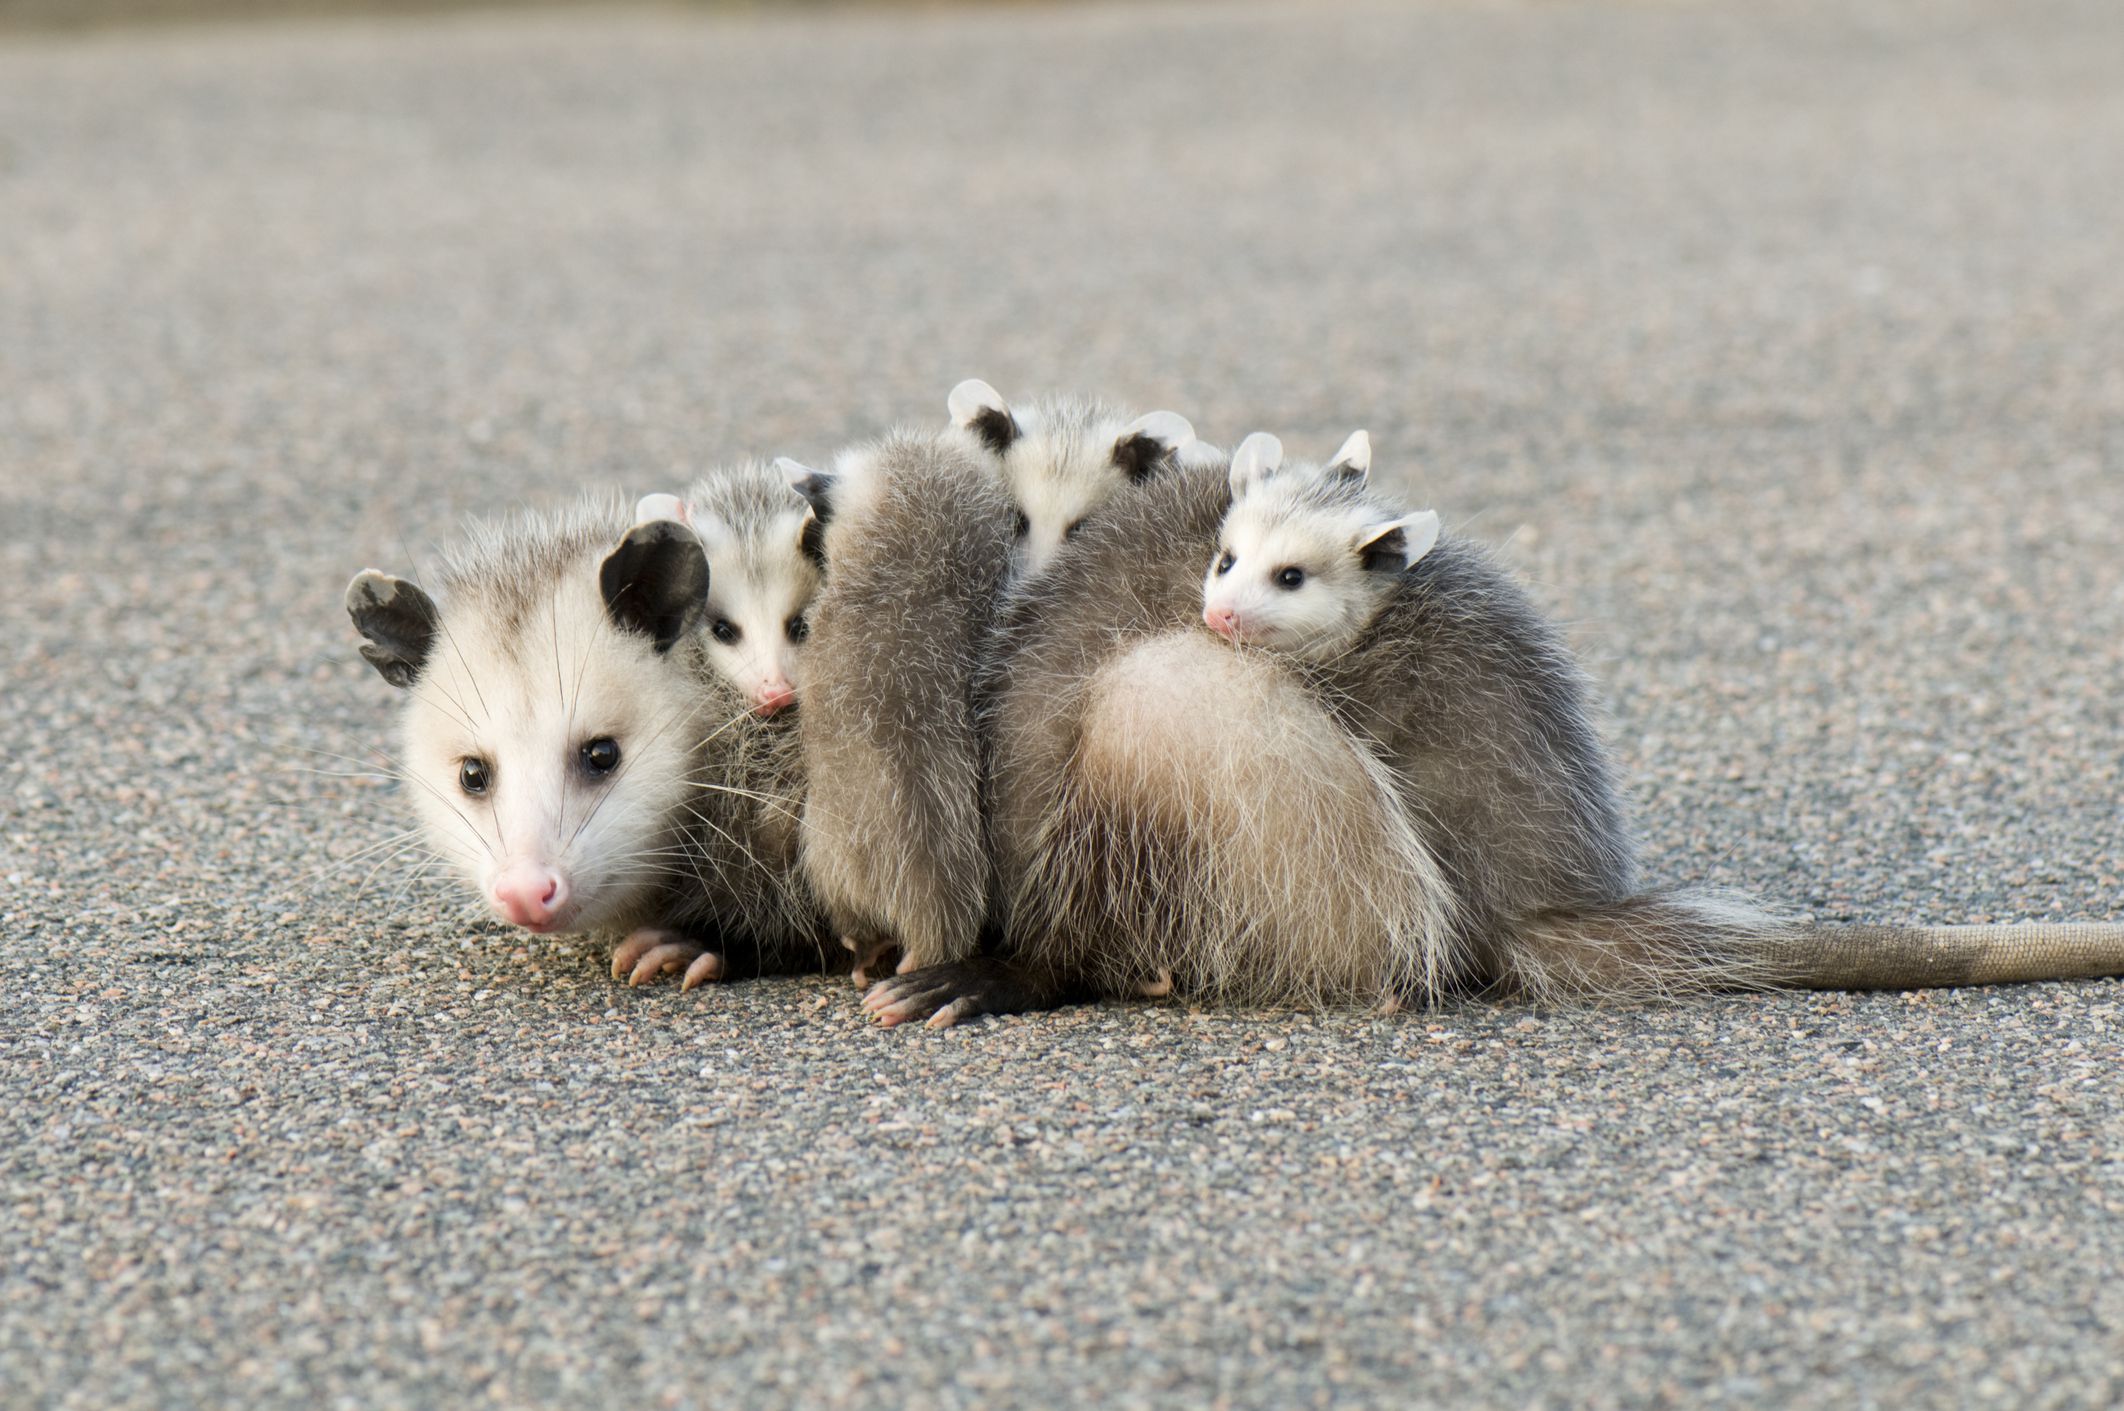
x=1936, y=957
x=1682, y=942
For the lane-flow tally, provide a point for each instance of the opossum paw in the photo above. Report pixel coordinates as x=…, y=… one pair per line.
x=706, y=967
x=947, y=994
x=1158, y=988
x=875, y=955
x=653, y=951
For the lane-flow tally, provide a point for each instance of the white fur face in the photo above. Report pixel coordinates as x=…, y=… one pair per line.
x=1061, y=459
x=558, y=748
x=760, y=586
x=1304, y=560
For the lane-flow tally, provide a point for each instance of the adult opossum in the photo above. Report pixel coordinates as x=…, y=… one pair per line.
x=570, y=746
x=1429, y=813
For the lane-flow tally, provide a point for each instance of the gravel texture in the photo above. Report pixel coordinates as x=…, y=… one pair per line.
x=1782, y=346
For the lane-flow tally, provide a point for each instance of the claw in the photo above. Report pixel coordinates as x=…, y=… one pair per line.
x=637, y=945
x=672, y=955
x=707, y=967
x=952, y=1013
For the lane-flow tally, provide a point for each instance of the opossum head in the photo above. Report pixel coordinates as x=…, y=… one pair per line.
x=1061, y=459
x=1305, y=557
x=551, y=728
x=762, y=542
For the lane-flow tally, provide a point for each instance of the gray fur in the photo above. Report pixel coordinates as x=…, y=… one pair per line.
x=917, y=549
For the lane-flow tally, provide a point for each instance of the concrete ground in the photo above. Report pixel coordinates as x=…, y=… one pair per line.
x=1781, y=344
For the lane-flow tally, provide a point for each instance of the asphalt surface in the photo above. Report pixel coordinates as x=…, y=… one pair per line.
x=1782, y=346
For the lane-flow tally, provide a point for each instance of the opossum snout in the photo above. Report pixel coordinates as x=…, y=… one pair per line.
x=1221, y=620
x=773, y=696
x=530, y=895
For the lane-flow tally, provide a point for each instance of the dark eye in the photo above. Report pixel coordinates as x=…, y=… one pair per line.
x=1071, y=532
x=1290, y=578
x=601, y=755
x=797, y=628
x=1021, y=526
x=725, y=631
x=472, y=775
x=1224, y=563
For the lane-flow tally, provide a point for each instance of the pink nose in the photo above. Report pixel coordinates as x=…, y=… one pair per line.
x=530, y=895
x=1222, y=620
x=773, y=696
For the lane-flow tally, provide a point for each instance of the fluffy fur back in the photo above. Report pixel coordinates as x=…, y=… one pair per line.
x=1430, y=813
x=894, y=844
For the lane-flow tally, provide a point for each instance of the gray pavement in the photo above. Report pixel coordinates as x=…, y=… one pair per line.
x=1781, y=345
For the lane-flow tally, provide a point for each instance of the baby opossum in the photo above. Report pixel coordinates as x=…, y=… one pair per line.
x=568, y=746
x=1060, y=458
x=1305, y=557
x=1434, y=814
x=763, y=571
x=917, y=546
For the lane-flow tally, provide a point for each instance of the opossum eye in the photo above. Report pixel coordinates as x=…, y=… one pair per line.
x=725, y=631
x=472, y=775
x=1021, y=526
x=1289, y=579
x=601, y=755
x=1224, y=563
x=1074, y=526
x=797, y=628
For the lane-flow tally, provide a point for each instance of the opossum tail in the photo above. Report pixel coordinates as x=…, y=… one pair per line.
x=1684, y=942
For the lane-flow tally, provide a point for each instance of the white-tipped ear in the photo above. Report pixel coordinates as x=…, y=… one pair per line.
x=661, y=507
x=977, y=407
x=1354, y=460
x=1169, y=429
x=1149, y=442
x=1398, y=543
x=970, y=399
x=816, y=486
x=1258, y=455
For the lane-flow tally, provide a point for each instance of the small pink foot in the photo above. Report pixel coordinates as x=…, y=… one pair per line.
x=654, y=951
x=1158, y=988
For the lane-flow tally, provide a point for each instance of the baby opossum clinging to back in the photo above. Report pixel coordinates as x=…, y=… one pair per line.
x=917, y=545
x=569, y=748
x=762, y=542
x=1061, y=458
x=1306, y=559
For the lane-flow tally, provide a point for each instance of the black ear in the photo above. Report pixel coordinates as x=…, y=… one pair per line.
x=995, y=427
x=1149, y=443
x=979, y=408
x=816, y=486
x=398, y=619
x=811, y=539
x=1140, y=455
x=656, y=582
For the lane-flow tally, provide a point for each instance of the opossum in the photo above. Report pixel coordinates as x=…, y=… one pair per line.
x=916, y=541
x=1305, y=557
x=568, y=746
x=1060, y=458
x=761, y=539
x=1432, y=816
